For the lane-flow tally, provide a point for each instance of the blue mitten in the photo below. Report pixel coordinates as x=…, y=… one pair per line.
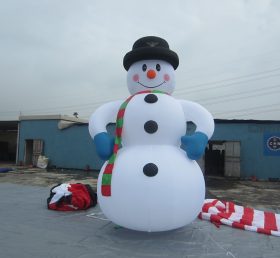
x=104, y=144
x=194, y=145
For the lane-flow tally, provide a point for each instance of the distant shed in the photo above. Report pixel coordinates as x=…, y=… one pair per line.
x=64, y=140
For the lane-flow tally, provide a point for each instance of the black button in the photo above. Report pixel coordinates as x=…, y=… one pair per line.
x=150, y=169
x=151, y=126
x=151, y=98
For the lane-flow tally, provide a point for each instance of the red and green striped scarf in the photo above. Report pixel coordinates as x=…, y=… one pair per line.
x=107, y=175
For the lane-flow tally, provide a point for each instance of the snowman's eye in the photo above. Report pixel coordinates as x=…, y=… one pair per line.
x=158, y=67
x=144, y=67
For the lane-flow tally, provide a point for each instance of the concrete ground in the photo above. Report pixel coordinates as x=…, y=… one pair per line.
x=43, y=177
x=29, y=229
x=262, y=195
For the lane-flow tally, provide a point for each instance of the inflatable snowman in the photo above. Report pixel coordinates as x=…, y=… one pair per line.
x=151, y=181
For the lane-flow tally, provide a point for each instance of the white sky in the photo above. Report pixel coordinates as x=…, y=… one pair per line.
x=61, y=57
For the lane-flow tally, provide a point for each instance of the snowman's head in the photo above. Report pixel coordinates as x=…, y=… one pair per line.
x=150, y=65
x=151, y=75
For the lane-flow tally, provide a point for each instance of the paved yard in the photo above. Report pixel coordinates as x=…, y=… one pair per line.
x=259, y=195
x=28, y=229
x=42, y=177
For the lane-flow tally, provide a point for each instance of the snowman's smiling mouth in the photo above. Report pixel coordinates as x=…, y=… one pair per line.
x=151, y=87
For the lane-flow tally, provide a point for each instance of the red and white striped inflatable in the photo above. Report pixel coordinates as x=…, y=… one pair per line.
x=228, y=213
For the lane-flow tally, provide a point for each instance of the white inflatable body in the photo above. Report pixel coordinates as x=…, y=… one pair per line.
x=169, y=200
x=173, y=196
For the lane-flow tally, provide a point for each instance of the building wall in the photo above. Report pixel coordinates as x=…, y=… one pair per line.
x=68, y=148
x=251, y=136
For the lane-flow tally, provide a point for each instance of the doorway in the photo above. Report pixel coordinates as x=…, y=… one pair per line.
x=8, y=141
x=222, y=158
x=215, y=158
x=4, y=151
x=33, y=149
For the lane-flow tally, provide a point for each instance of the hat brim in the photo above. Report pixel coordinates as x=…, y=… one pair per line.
x=148, y=53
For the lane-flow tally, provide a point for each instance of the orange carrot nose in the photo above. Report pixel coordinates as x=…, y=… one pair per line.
x=151, y=74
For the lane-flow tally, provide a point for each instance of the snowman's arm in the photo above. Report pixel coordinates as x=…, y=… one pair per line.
x=200, y=116
x=104, y=115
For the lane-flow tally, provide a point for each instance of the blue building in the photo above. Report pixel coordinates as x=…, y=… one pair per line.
x=64, y=140
x=238, y=148
x=244, y=148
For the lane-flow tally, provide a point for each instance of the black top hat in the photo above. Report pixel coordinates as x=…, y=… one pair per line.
x=150, y=47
